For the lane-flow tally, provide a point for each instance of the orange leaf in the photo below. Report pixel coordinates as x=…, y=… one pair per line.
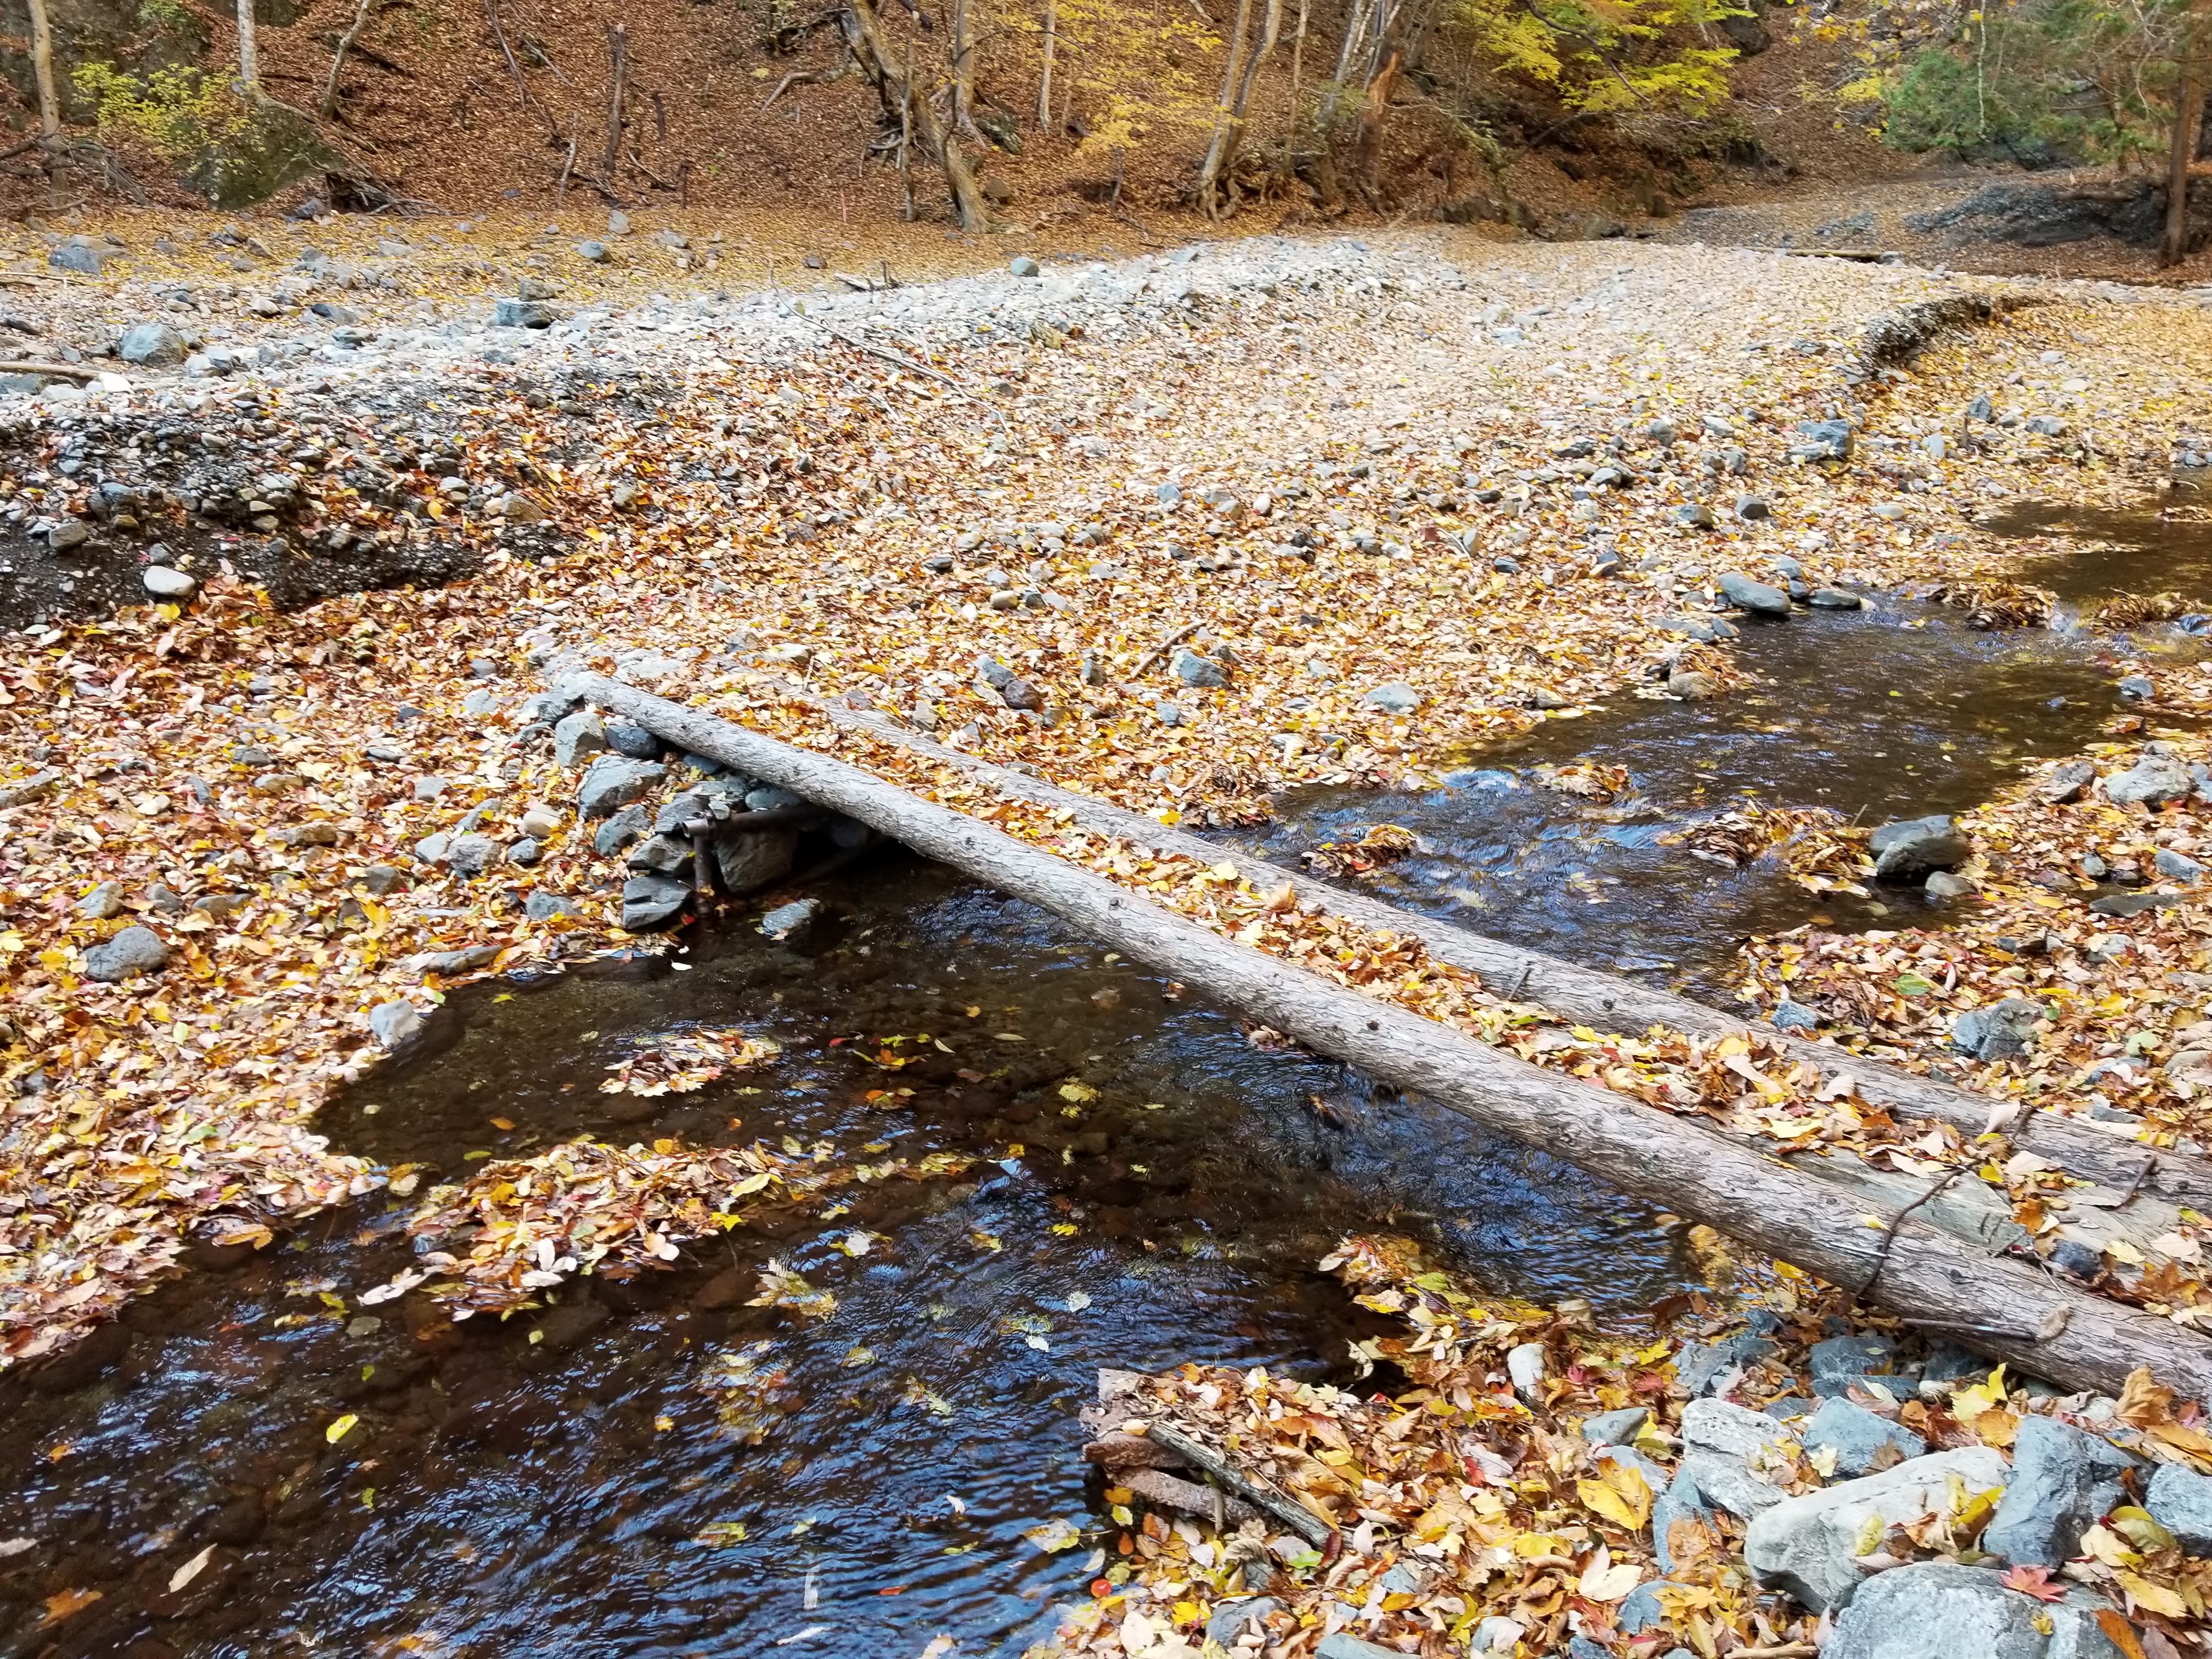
x=68, y=1602
x=2123, y=1633
x=2143, y=1403
x=2034, y=1581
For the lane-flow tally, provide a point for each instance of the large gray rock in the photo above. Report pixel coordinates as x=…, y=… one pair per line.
x=652, y=902
x=85, y=261
x=2062, y=1480
x=1941, y=1610
x=1809, y=1545
x=1703, y=1367
x=1822, y=441
x=2153, y=781
x=1858, y=1437
x=2182, y=1502
x=1726, y=1482
x=1754, y=595
x=470, y=856
x=1618, y=1428
x=133, y=950
x=394, y=1022
x=579, y=736
x=613, y=783
x=747, y=862
x=1910, y=848
x=622, y=830
x=1837, y=1359
x=151, y=345
x=1998, y=1031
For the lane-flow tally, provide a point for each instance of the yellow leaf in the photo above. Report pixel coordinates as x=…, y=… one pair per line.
x=2143, y=1401
x=339, y=1430
x=2158, y=1599
x=1967, y=1405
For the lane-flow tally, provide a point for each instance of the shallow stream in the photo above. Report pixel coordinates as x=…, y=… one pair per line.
x=1153, y=1188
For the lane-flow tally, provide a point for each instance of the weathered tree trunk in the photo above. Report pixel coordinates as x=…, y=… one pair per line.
x=2000, y=1306
x=2188, y=111
x=1608, y=1003
x=963, y=64
x=894, y=85
x=1224, y=116
x=1044, y=75
x=249, y=51
x=618, y=63
x=1216, y=189
x=327, y=106
x=1372, y=114
x=42, y=70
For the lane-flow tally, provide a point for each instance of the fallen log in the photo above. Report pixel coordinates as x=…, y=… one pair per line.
x=1608, y=1002
x=2015, y=1311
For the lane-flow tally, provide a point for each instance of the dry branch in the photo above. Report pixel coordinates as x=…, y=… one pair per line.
x=1693, y=1169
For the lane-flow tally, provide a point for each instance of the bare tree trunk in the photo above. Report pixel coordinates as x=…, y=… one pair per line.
x=963, y=64
x=2000, y=1306
x=1224, y=116
x=42, y=66
x=618, y=53
x=2188, y=111
x=1372, y=114
x=895, y=86
x=1044, y=80
x=249, y=50
x=1225, y=176
x=328, y=105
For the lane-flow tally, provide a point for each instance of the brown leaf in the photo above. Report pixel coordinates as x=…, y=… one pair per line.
x=67, y=1602
x=2143, y=1403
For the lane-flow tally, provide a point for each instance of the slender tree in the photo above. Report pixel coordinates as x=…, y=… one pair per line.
x=1216, y=186
x=42, y=67
x=249, y=51
x=963, y=64
x=2188, y=116
x=1044, y=81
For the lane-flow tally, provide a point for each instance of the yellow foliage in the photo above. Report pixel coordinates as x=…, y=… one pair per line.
x=177, y=111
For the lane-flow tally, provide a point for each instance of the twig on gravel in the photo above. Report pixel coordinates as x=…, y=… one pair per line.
x=65, y=371
x=1163, y=647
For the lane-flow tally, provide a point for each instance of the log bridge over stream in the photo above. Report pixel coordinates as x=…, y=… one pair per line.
x=1948, y=1257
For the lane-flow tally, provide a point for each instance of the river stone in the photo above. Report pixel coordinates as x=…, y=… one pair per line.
x=447, y=964
x=1655, y=1477
x=1020, y=694
x=151, y=345
x=1941, y=1610
x=1497, y=1635
x=1754, y=595
x=1835, y=598
x=1732, y=1430
x=1808, y=1544
x=651, y=902
x=1753, y=508
x=2134, y=905
x=1907, y=849
x=661, y=855
x=1524, y=1363
x=1641, y=1612
x=1700, y=1365
x=1726, y=1483
x=1395, y=698
x=75, y=256
x=2177, y=866
x=2181, y=1502
x=1681, y=1501
x=133, y=950
x=2062, y=1480
x=613, y=783
x=1836, y=1360
x=511, y=312
x=1793, y=1015
x=1345, y=1645
x=1194, y=670
x=792, y=920
x=1696, y=515
x=541, y=906
x=394, y=1022
x=1858, y=1437
x=468, y=856
x=2153, y=781
x=1942, y=885
x=2138, y=687
x=624, y=830
x=1692, y=686
x=633, y=742
x=1998, y=1031
x=165, y=583
x=102, y=902
x=579, y=735
x=1229, y=1619
x=747, y=861
x=1823, y=440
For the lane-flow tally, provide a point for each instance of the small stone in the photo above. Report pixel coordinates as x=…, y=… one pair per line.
x=1860, y=1438
x=541, y=906
x=1618, y=1428
x=624, y=830
x=596, y=252
x=1021, y=265
x=1726, y=1483
x=1496, y=1637
x=510, y=312
x=1395, y=698
x=1194, y=670
x=524, y=853
x=1732, y=1430
x=1681, y=1501
x=617, y=223
x=1835, y=598
x=2177, y=866
x=447, y=964
x=1823, y=440
x=2181, y=1502
x=1230, y=1620
x=1018, y=693
x=1910, y=848
x=1859, y=1354
x=1524, y=1363
x=382, y=879
x=789, y=922
x=102, y=902
x=1692, y=685
x=1700, y=1366
x=470, y=856
x=1344, y=1645
x=85, y=261
x=394, y=1022
x=165, y=583
x=1750, y=509
x=538, y=823
x=133, y=950
x=652, y=902
x=1944, y=885
x=614, y=783
x=2065, y=781
x=2137, y=688
x=1695, y=514
x=1790, y=1016
x=624, y=739
x=70, y=532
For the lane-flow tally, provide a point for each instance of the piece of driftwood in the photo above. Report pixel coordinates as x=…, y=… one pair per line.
x=1230, y=1479
x=1691, y=1169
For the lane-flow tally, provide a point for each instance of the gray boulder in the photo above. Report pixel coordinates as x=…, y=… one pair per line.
x=1809, y=1545
x=392, y=1023
x=1941, y=1610
x=1726, y=1483
x=634, y=742
x=2066, y=781
x=510, y=313
x=652, y=902
x=1700, y=1367
x=1230, y=1620
x=1998, y=1031
x=1732, y=1430
x=1193, y=669
x=1681, y=1501
x=749, y=861
x=1858, y=1437
x=1753, y=595
x=2181, y=1502
x=2177, y=866
x=541, y=906
x=102, y=902
x=1835, y=598
x=133, y=950
x=662, y=855
x=613, y=783
x=85, y=261
x=151, y=345
x=1908, y=848
x=1836, y=1360
x=1615, y=1428
x=624, y=829
x=2063, y=1480
x=2153, y=781
x=792, y=920
x=579, y=736
x=1822, y=441
x=468, y=856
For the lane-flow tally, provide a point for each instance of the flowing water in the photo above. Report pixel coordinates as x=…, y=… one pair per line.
x=1152, y=1188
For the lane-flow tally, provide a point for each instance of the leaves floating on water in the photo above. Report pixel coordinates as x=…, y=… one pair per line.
x=780, y=1287
x=687, y=1061
x=1998, y=605
x=1383, y=843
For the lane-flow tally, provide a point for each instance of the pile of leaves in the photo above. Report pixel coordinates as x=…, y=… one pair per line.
x=1383, y=843
x=1472, y=1495
x=1814, y=844
x=680, y=1062
x=1998, y=605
